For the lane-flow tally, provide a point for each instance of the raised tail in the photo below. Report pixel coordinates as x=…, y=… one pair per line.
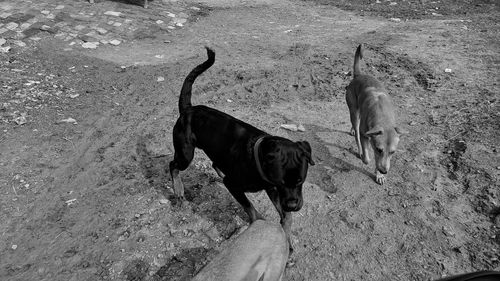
x=185, y=98
x=357, y=57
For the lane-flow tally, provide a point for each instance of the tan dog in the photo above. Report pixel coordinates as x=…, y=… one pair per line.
x=259, y=254
x=372, y=118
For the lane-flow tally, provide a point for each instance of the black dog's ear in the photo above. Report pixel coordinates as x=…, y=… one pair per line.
x=306, y=148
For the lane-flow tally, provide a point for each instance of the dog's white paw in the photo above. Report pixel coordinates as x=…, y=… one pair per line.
x=380, y=178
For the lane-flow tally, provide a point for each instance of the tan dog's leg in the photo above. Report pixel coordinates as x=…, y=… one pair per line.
x=379, y=177
x=354, y=114
x=365, y=144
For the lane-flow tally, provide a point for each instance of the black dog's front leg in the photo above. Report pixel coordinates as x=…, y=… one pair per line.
x=243, y=200
x=285, y=217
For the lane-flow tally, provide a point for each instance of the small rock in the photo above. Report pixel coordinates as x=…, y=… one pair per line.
x=195, y=8
x=170, y=27
x=447, y=70
x=291, y=127
x=448, y=232
x=229, y=100
x=21, y=120
x=117, y=24
x=436, y=14
x=68, y=120
x=59, y=7
x=2, y=41
x=160, y=79
x=164, y=201
x=159, y=56
x=113, y=13
x=101, y=30
x=73, y=95
x=89, y=45
x=115, y=42
x=19, y=43
x=45, y=27
x=395, y=19
x=159, y=22
x=14, y=247
x=171, y=15
x=45, y=12
x=413, y=123
x=11, y=25
x=393, y=3
x=301, y=128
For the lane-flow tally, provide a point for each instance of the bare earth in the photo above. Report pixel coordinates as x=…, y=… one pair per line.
x=90, y=200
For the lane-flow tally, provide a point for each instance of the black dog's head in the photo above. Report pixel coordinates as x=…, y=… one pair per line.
x=285, y=164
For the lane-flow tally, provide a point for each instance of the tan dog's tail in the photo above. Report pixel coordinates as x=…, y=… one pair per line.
x=185, y=98
x=357, y=57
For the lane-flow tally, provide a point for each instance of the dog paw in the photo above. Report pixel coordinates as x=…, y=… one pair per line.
x=380, y=178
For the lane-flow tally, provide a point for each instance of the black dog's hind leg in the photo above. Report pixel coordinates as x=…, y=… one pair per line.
x=240, y=196
x=285, y=217
x=184, y=153
x=218, y=171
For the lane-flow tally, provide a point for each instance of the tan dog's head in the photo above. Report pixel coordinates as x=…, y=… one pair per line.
x=384, y=141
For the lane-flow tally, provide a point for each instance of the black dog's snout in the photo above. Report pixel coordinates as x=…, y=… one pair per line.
x=292, y=205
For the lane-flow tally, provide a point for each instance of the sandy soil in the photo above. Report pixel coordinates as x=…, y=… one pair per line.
x=89, y=200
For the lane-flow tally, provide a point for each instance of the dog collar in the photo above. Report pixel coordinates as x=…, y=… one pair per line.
x=257, y=162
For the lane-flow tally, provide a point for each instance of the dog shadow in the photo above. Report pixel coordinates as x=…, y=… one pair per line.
x=183, y=266
x=203, y=191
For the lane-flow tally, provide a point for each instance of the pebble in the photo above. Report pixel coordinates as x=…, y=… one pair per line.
x=160, y=79
x=195, y=8
x=395, y=19
x=5, y=49
x=159, y=22
x=45, y=12
x=101, y=30
x=164, y=201
x=301, y=128
x=59, y=7
x=115, y=42
x=171, y=15
x=89, y=45
x=113, y=13
x=14, y=247
x=68, y=120
x=447, y=70
x=290, y=127
x=11, y=25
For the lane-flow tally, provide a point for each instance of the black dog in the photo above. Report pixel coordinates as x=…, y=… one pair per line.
x=248, y=159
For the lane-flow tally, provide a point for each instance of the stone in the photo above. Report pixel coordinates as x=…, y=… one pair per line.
x=45, y=12
x=5, y=15
x=25, y=25
x=117, y=24
x=89, y=45
x=79, y=27
x=11, y=25
x=115, y=42
x=59, y=7
x=101, y=30
x=113, y=13
x=5, y=49
x=171, y=15
x=395, y=19
x=2, y=41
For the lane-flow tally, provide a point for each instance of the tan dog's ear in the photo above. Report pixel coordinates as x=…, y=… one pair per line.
x=306, y=148
x=401, y=131
x=373, y=132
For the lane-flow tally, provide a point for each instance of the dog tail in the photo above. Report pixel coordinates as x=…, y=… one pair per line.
x=357, y=57
x=185, y=98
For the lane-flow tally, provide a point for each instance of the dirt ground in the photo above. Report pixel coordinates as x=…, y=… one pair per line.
x=90, y=199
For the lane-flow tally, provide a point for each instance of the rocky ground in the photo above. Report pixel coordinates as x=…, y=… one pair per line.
x=88, y=99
